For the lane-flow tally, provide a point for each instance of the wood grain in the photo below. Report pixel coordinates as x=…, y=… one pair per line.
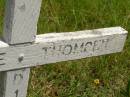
x=20, y=27
x=21, y=18
x=57, y=47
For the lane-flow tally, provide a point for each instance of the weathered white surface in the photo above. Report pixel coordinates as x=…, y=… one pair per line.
x=56, y=47
x=14, y=83
x=20, y=26
x=21, y=20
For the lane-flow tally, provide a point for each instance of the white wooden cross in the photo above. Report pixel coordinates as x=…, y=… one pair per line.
x=21, y=48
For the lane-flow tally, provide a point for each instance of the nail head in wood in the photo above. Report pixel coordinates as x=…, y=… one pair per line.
x=21, y=57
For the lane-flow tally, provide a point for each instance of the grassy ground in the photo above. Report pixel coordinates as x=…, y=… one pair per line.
x=76, y=78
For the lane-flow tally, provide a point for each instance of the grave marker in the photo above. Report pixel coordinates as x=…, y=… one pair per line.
x=22, y=48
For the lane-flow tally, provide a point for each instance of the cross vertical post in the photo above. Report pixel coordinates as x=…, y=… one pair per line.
x=20, y=27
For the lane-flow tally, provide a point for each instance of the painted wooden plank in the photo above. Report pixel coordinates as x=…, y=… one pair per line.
x=57, y=47
x=20, y=26
x=14, y=83
x=21, y=18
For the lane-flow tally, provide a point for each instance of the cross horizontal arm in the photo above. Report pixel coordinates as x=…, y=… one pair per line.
x=57, y=47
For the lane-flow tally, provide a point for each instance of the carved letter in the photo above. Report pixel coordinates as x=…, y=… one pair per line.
x=67, y=49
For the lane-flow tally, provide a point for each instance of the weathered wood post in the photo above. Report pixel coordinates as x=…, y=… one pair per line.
x=20, y=29
x=21, y=48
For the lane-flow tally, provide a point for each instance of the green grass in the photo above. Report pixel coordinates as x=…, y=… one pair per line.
x=76, y=78
x=2, y=3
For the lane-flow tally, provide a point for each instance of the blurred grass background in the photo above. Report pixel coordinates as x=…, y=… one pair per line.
x=76, y=78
